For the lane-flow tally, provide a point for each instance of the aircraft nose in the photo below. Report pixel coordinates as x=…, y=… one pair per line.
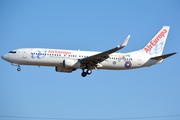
x=4, y=57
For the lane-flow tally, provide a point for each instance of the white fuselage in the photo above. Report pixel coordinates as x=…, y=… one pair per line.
x=55, y=57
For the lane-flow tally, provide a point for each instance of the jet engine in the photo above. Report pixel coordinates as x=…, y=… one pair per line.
x=61, y=69
x=71, y=63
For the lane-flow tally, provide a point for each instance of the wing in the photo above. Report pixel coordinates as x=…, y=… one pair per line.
x=95, y=59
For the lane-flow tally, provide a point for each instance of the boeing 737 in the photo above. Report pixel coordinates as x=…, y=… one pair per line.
x=70, y=60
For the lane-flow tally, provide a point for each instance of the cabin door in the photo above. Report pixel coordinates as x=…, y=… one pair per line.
x=24, y=53
x=139, y=60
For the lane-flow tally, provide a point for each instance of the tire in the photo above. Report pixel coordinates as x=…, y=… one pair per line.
x=18, y=69
x=83, y=74
x=89, y=72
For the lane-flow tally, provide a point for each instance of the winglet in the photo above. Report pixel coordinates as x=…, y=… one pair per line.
x=125, y=41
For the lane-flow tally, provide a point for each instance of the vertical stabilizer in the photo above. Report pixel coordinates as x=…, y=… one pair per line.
x=156, y=45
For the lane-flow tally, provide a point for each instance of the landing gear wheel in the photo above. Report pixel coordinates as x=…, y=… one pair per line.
x=18, y=69
x=84, y=74
x=89, y=72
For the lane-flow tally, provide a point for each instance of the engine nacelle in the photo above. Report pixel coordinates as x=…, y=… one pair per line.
x=71, y=63
x=61, y=69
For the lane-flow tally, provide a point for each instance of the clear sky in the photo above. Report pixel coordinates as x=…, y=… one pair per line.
x=92, y=25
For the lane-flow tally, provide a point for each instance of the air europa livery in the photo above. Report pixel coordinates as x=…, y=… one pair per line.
x=154, y=42
x=70, y=60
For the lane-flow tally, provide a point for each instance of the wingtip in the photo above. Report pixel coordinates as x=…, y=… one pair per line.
x=126, y=41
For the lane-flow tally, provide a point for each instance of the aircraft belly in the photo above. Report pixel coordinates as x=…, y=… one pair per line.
x=120, y=64
x=113, y=65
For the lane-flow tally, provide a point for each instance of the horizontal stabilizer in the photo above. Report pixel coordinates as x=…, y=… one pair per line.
x=163, y=56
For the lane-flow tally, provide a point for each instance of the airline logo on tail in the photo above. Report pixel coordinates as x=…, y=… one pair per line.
x=154, y=42
x=157, y=49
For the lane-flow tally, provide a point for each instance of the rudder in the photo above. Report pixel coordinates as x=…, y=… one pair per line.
x=156, y=45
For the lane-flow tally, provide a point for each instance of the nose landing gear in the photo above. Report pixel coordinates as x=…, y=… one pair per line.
x=18, y=69
x=15, y=64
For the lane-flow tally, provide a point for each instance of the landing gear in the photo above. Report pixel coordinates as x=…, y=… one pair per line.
x=85, y=73
x=18, y=69
x=15, y=64
x=89, y=71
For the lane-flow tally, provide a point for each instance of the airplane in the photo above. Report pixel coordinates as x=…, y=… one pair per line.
x=71, y=60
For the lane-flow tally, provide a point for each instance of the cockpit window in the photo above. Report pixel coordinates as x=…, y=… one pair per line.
x=12, y=52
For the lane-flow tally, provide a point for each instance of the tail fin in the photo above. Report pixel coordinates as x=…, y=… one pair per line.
x=156, y=45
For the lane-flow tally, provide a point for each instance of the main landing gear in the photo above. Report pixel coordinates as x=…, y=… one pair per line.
x=88, y=72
